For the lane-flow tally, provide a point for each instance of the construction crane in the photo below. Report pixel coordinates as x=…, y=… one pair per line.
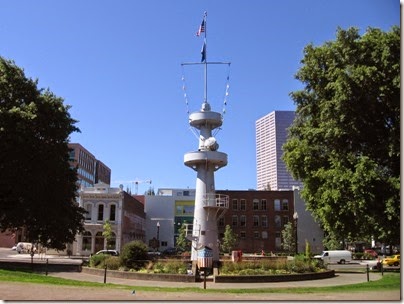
x=137, y=182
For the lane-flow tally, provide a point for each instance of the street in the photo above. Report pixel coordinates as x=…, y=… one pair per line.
x=9, y=254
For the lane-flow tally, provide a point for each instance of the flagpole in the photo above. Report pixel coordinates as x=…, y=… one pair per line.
x=206, y=61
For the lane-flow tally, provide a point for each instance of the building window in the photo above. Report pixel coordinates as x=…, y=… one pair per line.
x=221, y=222
x=164, y=243
x=256, y=204
x=242, y=205
x=277, y=205
x=278, y=241
x=234, y=204
x=100, y=216
x=88, y=212
x=234, y=220
x=243, y=220
x=256, y=234
x=263, y=204
x=285, y=220
x=256, y=220
x=278, y=222
x=112, y=213
x=264, y=221
x=86, y=244
x=264, y=234
x=242, y=234
x=285, y=205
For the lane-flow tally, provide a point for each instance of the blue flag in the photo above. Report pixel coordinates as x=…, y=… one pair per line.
x=203, y=51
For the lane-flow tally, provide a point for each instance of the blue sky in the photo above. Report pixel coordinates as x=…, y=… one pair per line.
x=118, y=64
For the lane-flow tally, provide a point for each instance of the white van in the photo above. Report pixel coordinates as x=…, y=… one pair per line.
x=335, y=256
x=24, y=247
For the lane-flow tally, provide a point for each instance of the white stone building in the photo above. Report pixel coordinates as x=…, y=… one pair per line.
x=125, y=213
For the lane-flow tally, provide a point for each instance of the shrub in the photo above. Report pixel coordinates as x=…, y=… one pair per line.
x=112, y=262
x=176, y=267
x=134, y=255
x=97, y=260
x=300, y=264
x=100, y=260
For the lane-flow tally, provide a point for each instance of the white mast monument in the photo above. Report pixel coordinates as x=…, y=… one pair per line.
x=205, y=161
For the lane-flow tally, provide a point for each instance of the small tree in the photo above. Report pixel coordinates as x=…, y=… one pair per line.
x=183, y=244
x=229, y=239
x=107, y=233
x=288, y=238
x=308, y=249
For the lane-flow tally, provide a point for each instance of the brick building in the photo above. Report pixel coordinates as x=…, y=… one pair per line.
x=257, y=217
x=90, y=170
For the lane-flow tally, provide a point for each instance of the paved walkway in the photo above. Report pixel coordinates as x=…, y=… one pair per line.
x=339, y=279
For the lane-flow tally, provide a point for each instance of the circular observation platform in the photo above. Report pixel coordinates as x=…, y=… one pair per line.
x=197, y=158
x=202, y=118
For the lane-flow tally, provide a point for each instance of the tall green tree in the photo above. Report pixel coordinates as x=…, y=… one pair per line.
x=344, y=144
x=37, y=185
x=288, y=238
x=107, y=233
x=182, y=243
x=229, y=239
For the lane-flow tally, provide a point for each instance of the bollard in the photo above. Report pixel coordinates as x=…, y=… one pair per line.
x=32, y=260
x=46, y=267
x=105, y=275
x=367, y=271
x=381, y=268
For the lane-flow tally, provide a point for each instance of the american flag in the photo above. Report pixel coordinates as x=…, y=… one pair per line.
x=201, y=28
x=205, y=258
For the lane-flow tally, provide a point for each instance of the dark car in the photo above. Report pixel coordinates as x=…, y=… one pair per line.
x=170, y=251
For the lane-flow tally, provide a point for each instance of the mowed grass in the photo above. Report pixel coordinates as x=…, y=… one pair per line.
x=390, y=281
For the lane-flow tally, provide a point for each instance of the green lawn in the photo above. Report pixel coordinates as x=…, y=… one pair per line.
x=390, y=281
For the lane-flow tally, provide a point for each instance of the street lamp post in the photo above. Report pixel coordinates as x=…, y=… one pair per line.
x=158, y=235
x=296, y=217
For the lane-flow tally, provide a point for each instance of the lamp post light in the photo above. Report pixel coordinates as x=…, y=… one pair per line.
x=296, y=217
x=158, y=234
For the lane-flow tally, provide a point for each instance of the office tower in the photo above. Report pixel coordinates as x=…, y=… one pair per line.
x=271, y=133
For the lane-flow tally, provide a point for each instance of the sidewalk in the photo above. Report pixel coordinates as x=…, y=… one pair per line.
x=339, y=279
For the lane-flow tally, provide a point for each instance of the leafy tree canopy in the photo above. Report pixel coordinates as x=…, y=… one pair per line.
x=37, y=185
x=344, y=144
x=229, y=239
x=288, y=238
x=182, y=243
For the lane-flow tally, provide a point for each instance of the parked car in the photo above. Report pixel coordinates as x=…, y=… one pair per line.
x=108, y=252
x=153, y=253
x=371, y=252
x=24, y=247
x=170, y=251
x=393, y=260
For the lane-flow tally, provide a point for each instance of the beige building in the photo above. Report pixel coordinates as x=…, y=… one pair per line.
x=271, y=133
x=125, y=213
